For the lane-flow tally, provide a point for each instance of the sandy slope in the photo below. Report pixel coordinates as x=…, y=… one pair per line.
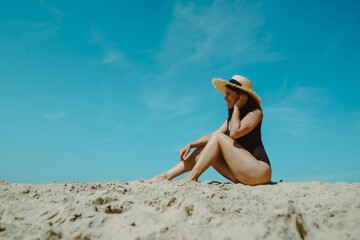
x=207, y=210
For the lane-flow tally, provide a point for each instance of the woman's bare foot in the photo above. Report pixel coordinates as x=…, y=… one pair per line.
x=184, y=180
x=158, y=178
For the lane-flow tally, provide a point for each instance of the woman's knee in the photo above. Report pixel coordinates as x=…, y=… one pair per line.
x=217, y=136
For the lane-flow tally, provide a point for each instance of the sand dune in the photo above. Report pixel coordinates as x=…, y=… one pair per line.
x=206, y=210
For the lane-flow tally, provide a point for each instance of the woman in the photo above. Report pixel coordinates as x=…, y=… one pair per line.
x=235, y=150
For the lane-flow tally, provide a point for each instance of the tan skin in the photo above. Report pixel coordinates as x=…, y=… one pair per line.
x=221, y=152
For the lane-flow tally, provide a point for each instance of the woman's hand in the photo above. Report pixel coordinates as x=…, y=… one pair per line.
x=242, y=101
x=184, y=152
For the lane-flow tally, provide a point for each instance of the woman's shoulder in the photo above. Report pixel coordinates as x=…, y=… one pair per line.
x=256, y=111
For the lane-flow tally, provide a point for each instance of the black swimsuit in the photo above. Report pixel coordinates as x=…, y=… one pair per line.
x=251, y=141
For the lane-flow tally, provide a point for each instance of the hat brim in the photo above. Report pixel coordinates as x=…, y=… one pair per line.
x=220, y=85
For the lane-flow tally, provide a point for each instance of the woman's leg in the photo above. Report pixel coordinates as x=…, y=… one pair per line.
x=180, y=168
x=244, y=166
x=221, y=167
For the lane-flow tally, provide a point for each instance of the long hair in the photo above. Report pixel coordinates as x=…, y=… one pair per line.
x=251, y=103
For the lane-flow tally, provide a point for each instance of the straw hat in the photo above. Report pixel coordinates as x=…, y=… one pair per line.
x=236, y=81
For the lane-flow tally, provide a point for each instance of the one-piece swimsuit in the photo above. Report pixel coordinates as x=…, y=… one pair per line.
x=251, y=141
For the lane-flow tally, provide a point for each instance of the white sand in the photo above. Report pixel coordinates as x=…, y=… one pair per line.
x=135, y=210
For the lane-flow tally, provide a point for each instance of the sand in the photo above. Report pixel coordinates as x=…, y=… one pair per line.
x=204, y=210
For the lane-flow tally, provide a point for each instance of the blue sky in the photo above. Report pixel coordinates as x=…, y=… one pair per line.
x=105, y=90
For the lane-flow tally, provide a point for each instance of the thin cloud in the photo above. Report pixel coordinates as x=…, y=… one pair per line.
x=57, y=13
x=96, y=37
x=110, y=53
x=221, y=32
x=31, y=29
x=44, y=29
x=307, y=95
x=55, y=117
x=208, y=35
x=299, y=113
x=112, y=56
x=166, y=106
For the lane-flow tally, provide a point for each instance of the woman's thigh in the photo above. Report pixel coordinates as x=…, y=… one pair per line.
x=221, y=167
x=244, y=166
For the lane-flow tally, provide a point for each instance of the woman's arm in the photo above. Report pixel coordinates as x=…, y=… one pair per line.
x=200, y=142
x=203, y=140
x=249, y=122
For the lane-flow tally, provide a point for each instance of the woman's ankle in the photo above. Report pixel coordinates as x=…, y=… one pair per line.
x=165, y=176
x=192, y=176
